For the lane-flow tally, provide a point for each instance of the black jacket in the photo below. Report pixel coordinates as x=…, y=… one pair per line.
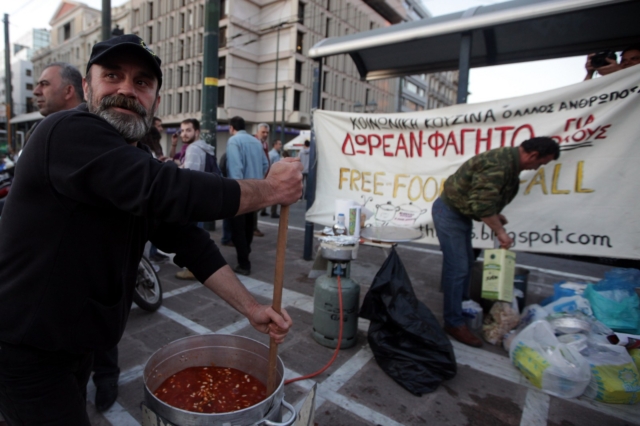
x=81, y=208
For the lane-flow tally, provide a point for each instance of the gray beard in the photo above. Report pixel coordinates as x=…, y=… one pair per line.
x=131, y=127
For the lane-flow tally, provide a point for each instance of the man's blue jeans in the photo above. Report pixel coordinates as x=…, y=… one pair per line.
x=454, y=234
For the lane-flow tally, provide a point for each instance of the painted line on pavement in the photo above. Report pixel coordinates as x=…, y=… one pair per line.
x=328, y=390
x=116, y=415
x=484, y=361
x=531, y=268
x=295, y=228
x=183, y=321
x=536, y=409
x=502, y=368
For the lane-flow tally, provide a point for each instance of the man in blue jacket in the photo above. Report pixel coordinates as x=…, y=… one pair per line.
x=86, y=199
x=245, y=160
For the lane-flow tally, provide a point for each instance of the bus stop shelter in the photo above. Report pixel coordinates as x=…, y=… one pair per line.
x=504, y=33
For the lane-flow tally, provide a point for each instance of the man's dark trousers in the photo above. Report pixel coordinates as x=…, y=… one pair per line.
x=242, y=235
x=105, y=367
x=38, y=386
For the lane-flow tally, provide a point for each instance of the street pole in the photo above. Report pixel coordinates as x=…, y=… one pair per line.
x=284, y=102
x=106, y=20
x=275, y=96
x=7, y=83
x=209, y=119
x=310, y=191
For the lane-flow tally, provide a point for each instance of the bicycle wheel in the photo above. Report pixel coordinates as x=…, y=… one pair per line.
x=148, y=292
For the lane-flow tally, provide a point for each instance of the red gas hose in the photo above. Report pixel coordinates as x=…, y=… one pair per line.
x=335, y=354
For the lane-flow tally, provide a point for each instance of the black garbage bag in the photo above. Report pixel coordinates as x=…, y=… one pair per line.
x=405, y=337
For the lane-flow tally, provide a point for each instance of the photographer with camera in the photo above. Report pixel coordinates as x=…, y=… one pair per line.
x=606, y=62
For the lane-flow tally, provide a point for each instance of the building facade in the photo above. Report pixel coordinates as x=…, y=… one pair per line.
x=75, y=28
x=22, y=73
x=425, y=91
x=265, y=74
x=262, y=46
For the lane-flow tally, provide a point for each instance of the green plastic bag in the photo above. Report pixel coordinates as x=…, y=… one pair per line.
x=617, y=308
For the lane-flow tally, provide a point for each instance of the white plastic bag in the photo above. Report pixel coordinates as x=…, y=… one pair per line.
x=570, y=304
x=614, y=375
x=550, y=365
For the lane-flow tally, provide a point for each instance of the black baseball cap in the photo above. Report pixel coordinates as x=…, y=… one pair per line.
x=126, y=42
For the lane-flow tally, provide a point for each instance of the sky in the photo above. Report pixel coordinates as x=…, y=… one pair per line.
x=485, y=84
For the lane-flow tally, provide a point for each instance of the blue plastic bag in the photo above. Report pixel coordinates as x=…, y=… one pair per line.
x=614, y=300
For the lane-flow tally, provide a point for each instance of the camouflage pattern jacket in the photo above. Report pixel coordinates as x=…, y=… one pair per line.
x=484, y=184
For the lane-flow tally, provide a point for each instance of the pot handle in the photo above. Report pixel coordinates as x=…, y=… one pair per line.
x=289, y=422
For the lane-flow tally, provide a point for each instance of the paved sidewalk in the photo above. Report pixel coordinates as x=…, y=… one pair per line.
x=354, y=391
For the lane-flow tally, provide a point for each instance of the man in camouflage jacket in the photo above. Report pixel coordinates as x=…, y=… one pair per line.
x=479, y=190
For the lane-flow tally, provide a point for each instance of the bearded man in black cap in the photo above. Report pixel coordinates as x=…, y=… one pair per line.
x=83, y=204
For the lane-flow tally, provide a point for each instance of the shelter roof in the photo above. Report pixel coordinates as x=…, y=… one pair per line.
x=503, y=33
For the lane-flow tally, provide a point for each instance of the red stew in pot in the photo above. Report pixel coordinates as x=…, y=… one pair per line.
x=211, y=390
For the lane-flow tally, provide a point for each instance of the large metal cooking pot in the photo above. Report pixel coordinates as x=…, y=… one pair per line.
x=220, y=350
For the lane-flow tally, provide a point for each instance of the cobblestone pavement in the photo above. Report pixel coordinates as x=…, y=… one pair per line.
x=354, y=391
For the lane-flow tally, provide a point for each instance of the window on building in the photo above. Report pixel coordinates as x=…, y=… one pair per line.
x=197, y=73
x=299, y=41
x=222, y=39
x=198, y=100
x=187, y=72
x=179, y=76
x=325, y=80
x=326, y=29
x=181, y=50
x=28, y=73
x=201, y=15
x=298, y=72
x=169, y=104
x=328, y=4
x=159, y=30
x=150, y=10
x=171, y=26
x=170, y=56
x=224, y=8
x=301, y=12
x=150, y=34
x=77, y=53
x=66, y=29
x=188, y=48
x=190, y=19
x=222, y=67
x=324, y=103
x=187, y=106
x=297, y=94
x=30, y=106
x=179, y=104
x=221, y=96
x=182, y=23
x=29, y=86
x=169, y=79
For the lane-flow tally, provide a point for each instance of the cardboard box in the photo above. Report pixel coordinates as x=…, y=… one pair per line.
x=498, y=274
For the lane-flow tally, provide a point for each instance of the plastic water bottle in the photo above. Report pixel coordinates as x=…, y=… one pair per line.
x=339, y=227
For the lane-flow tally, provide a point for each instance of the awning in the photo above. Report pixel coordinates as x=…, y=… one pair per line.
x=297, y=143
x=504, y=33
x=24, y=118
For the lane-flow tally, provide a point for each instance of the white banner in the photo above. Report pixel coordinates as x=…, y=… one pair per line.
x=585, y=203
